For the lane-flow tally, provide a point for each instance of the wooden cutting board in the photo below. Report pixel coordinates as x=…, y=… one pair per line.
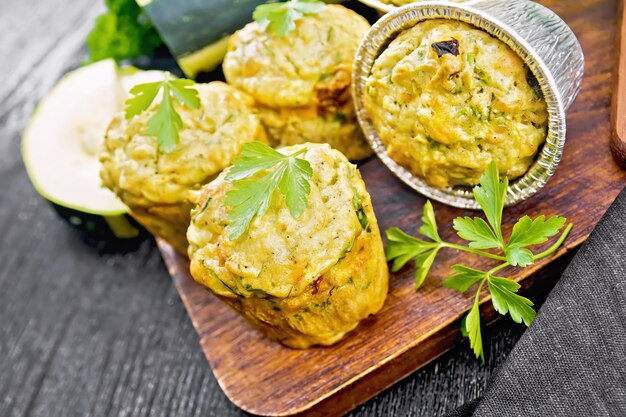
x=263, y=377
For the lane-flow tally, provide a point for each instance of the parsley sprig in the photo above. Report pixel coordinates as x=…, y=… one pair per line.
x=251, y=193
x=280, y=18
x=481, y=235
x=165, y=122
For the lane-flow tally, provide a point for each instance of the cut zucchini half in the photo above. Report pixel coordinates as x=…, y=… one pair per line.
x=62, y=142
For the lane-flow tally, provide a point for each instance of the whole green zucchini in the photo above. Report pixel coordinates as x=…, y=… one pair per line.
x=196, y=31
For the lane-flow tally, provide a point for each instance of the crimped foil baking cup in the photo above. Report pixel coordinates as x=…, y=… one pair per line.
x=541, y=38
x=383, y=7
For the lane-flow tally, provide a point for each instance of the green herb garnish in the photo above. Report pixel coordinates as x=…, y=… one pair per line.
x=280, y=18
x=123, y=32
x=251, y=197
x=481, y=234
x=165, y=122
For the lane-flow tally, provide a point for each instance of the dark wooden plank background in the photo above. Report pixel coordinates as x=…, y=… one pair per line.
x=86, y=334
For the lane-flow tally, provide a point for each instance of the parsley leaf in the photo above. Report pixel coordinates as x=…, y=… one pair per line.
x=184, y=93
x=464, y=278
x=254, y=157
x=401, y=247
x=518, y=256
x=142, y=95
x=528, y=232
x=423, y=262
x=477, y=231
x=294, y=184
x=490, y=195
x=251, y=197
x=472, y=329
x=429, y=226
x=165, y=122
x=280, y=18
x=505, y=300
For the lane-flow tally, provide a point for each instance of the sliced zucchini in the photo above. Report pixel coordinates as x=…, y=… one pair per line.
x=61, y=144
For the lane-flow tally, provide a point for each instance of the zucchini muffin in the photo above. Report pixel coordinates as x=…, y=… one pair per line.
x=301, y=81
x=447, y=98
x=154, y=184
x=305, y=281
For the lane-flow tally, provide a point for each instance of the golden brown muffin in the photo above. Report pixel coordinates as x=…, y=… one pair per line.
x=447, y=98
x=154, y=184
x=305, y=281
x=301, y=81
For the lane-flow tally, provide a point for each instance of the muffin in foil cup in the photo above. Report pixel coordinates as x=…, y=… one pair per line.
x=536, y=34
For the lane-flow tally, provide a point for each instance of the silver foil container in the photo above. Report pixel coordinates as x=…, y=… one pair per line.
x=541, y=38
x=383, y=7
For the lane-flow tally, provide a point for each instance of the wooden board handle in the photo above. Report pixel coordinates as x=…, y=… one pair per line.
x=618, y=134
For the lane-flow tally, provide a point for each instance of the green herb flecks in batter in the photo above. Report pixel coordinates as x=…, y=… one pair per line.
x=280, y=18
x=165, y=122
x=251, y=197
x=360, y=214
x=481, y=234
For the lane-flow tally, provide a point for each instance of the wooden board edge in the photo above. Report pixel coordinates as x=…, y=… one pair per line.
x=618, y=109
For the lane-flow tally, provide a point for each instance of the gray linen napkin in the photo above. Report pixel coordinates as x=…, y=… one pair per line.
x=572, y=360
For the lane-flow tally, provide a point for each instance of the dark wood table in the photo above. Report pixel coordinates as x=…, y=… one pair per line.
x=89, y=334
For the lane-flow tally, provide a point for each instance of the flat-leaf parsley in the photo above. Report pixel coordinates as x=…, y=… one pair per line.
x=165, y=122
x=280, y=18
x=480, y=234
x=251, y=197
